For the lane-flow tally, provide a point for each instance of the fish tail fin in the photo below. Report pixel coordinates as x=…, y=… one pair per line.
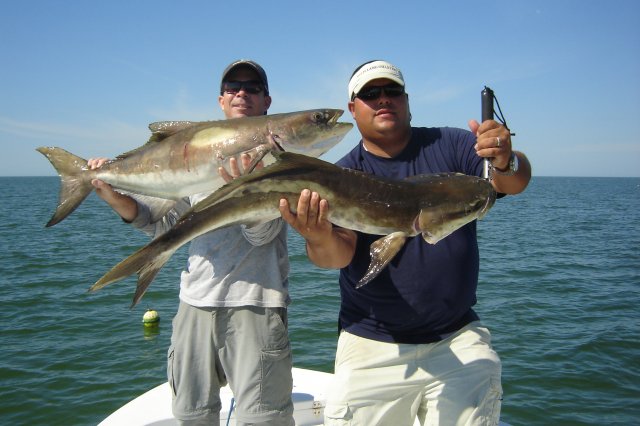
x=75, y=185
x=146, y=262
x=148, y=273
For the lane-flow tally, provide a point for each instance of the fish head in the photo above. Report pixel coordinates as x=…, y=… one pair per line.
x=310, y=133
x=456, y=200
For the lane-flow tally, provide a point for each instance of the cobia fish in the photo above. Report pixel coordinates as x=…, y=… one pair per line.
x=431, y=205
x=182, y=158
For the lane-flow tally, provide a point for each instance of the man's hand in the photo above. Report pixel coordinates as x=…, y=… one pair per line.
x=493, y=141
x=328, y=246
x=310, y=219
x=124, y=205
x=234, y=168
x=103, y=189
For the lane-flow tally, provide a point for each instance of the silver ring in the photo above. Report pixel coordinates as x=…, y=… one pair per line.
x=498, y=143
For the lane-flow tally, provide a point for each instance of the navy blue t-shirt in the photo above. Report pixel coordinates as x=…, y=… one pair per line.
x=427, y=291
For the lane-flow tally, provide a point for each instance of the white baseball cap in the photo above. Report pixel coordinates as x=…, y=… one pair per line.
x=371, y=71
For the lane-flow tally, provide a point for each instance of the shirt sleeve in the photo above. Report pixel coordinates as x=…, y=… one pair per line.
x=147, y=207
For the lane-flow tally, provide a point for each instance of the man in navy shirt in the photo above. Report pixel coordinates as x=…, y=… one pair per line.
x=410, y=343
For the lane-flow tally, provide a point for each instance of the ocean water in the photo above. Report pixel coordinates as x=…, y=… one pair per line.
x=559, y=289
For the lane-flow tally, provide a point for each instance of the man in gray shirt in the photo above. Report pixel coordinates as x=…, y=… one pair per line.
x=231, y=323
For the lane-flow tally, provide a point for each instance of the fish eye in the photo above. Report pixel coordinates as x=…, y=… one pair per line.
x=318, y=117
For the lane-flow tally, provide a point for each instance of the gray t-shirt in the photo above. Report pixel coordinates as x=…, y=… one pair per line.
x=229, y=267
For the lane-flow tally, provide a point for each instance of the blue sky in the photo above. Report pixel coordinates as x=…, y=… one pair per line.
x=89, y=76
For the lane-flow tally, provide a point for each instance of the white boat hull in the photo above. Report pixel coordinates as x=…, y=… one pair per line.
x=153, y=408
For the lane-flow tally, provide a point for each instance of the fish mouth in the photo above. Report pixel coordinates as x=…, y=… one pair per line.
x=311, y=134
x=334, y=119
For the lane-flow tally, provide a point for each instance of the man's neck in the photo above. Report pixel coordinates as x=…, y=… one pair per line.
x=387, y=146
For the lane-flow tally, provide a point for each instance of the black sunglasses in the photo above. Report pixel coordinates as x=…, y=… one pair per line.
x=371, y=93
x=251, y=86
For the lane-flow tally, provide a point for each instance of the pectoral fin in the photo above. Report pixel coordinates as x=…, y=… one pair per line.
x=382, y=251
x=257, y=154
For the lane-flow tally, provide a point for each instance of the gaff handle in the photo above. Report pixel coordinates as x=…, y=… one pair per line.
x=487, y=104
x=487, y=114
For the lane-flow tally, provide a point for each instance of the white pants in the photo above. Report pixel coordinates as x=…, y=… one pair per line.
x=452, y=382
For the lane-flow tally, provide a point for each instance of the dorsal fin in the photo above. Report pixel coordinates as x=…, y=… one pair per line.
x=160, y=130
x=163, y=129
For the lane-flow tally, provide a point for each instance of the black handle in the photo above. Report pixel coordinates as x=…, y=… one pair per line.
x=487, y=104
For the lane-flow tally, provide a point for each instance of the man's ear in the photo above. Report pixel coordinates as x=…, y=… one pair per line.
x=352, y=108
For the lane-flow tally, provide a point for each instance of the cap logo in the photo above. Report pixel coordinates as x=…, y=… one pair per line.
x=373, y=71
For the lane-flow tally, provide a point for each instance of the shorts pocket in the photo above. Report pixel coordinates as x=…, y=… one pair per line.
x=276, y=336
x=277, y=382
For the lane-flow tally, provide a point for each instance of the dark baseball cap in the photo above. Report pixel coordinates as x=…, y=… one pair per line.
x=248, y=64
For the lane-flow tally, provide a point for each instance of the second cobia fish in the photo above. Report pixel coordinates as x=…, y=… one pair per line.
x=182, y=157
x=431, y=205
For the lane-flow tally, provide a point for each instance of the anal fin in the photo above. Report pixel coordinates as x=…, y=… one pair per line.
x=382, y=251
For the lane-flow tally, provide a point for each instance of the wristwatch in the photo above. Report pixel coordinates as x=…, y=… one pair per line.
x=512, y=167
